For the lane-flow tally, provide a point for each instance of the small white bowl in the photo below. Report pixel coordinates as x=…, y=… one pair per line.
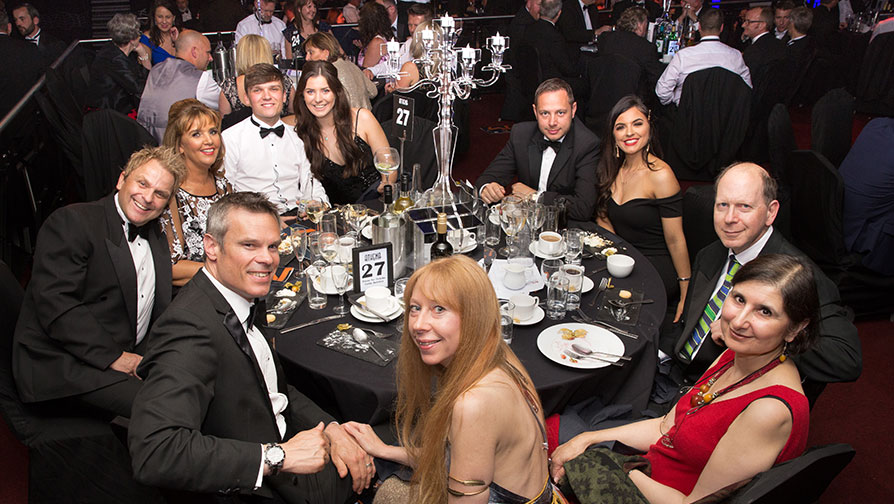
x=620, y=265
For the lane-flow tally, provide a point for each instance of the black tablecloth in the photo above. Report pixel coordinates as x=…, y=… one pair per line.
x=351, y=389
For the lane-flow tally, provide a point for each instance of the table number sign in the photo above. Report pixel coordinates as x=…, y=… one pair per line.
x=404, y=108
x=373, y=266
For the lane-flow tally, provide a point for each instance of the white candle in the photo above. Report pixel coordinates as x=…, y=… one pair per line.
x=392, y=46
x=428, y=35
x=468, y=53
x=447, y=22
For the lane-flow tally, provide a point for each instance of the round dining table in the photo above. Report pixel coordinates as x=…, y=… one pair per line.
x=353, y=389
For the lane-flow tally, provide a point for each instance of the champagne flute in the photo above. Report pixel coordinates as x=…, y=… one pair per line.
x=387, y=161
x=536, y=215
x=340, y=278
x=315, y=211
x=512, y=218
x=329, y=246
x=313, y=244
x=299, y=246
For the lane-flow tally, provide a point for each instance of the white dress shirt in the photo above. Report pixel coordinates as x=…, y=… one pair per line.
x=587, y=23
x=208, y=91
x=145, y=269
x=709, y=52
x=274, y=166
x=35, y=39
x=779, y=34
x=271, y=31
x=546, y=164
x=264, y=356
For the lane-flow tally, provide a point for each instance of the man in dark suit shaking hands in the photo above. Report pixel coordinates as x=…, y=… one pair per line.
x=101, y=276
x=554, y=157
x=215, y=414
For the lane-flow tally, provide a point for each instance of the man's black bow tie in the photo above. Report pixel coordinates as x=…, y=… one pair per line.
x=278, y=131
x=133, y=231
x=257, y=314
x=550, y=143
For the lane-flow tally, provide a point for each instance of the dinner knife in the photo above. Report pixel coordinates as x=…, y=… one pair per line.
x=366, y=308
x=312, y=322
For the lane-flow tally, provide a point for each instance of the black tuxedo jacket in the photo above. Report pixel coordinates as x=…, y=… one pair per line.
x=571, y=23
x=653, y=10
x=80, y=309
x=835, y=357
x=517, y=28
x=49, y=47
x=403, y=31
x=22, y=67
x=760, y=54
x=798, y=52
x=572, y=176
x=203, y=410
x=636, y=48
x=554, y=59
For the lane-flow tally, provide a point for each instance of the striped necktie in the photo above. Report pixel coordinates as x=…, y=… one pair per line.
x=712, y=310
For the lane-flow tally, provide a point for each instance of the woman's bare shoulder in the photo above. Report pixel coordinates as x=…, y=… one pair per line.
x=290, y=119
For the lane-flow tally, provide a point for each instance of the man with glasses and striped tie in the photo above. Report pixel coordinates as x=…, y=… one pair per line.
x=745, y=207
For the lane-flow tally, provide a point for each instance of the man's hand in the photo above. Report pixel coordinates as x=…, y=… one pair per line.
x=522, y=190
x=717, y=333
x=348, y=456
x=127, y=363
x=307, y=452
x=492, y=192
x=368, y=73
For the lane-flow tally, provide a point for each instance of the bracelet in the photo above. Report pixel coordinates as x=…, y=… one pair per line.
x=142, y=58
x=683, y=279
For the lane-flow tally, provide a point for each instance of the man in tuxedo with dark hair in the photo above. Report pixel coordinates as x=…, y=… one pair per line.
x=215, y=414
x=101, y=277
x=653, y=10
x=745, y=208
x=27, y=20
x=23, y=67
x=553, y=158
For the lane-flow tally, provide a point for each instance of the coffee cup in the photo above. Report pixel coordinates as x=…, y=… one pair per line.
x=524, y=306
x=346, y=245
x=550, y=243
x=378, y=298
x=514, y=276
x=619, y=265
x=460, y=238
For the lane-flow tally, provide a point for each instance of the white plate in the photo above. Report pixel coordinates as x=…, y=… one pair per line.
x=587, y=285
x=534, y=247
x=328, y=287
x=367, y=232
x=552, y=345
x=535, y=317
x=468, y=248
x=392, y=313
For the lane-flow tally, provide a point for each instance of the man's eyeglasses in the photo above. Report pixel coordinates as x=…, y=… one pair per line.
x=749, y=21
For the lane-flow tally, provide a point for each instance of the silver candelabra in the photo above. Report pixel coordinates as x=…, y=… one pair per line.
x=448, y=72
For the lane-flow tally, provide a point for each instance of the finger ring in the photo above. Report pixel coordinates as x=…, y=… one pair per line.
x=369, y=464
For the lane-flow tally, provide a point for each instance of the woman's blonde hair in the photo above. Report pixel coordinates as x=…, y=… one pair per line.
x=186, y=114
x=251, y=50
x=417, y=50
x=423, y=417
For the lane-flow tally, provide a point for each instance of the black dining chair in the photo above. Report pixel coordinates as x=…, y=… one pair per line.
x=875, y=85
x=831, y=125
x=109, y=138
x=529, y=71
x=610, y=78
x=418, y=149
x=698, y=218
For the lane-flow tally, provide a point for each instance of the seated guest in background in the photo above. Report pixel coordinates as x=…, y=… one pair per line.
x=164, y=28
x=24, y=58
x=745, y=207
x=544, y=36
x=263, y=154
x=220, y=15
x=116, y=80
x=800, y=47
x=748, y=411
x=764, y=48
x=399, y=31
x=825, y=22
x=351, y=11
x=689, y=22
x=653, y=11
x=552, y=158
x=578, y=23
x=193, y=131
x=189, y=17
x=338, y=140
x=639, y=198
x=322, y=46
x=708, y=53
x=481, y=431
x=262, y=22
x=303, y=26
x=375, y=30
x=215, y=413
x=629, y=40
x=409, y=70
x=416, y=15
x=782, y=19
x=250, y=51
x=101, y=277
x=27, y=20
x=868, y=173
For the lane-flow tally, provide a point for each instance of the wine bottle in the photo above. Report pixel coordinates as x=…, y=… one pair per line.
x=388, y=218
x=405, y=200
x=441, y=247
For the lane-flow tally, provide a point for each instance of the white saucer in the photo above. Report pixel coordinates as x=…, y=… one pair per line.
x=535, y=249
x=392, y=312
x=328, y=287
x=367, y=232
x=468, y=248
x=535, y=317
x=587, y=285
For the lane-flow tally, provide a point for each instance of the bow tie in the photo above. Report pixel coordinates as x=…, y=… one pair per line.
x=133, y=231
x=278, y=131
x=544, y=143
x=257, y=314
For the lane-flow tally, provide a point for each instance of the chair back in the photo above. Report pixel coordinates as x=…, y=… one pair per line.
x=11, y=294
x=875, y=86
x=781, y=143
x=64, y=117
x=831, y=125
x=610, y=77
x=698, y=218
x=797, y=481
x=109, y=138
x=817, y=199
x=710, y=123
x=419, y=149
x=529, y=71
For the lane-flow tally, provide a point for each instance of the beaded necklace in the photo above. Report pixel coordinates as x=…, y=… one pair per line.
x=704, y=397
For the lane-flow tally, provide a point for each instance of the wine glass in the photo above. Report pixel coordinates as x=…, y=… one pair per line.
x=329, y=223
x=313, y=244
x=536, y=215
x=340, y=278
x=355, y=216
x=387, y=161
x=315, y=211
x=329, y=247
x=512, y=218
x=299, y=246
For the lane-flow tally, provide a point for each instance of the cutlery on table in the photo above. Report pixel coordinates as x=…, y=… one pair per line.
x=583, y=318
x=308, y=324
x=366, y=308
x=575, y=355
x=583, y=348
x=620, y=303
x=603, y=284
x=362, y=338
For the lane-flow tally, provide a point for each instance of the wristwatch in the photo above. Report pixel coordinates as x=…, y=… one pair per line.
x=274, y=456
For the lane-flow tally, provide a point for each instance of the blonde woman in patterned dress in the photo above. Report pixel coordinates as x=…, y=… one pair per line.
x=194, y=130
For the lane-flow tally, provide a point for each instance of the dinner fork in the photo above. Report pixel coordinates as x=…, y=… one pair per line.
x=620, y=303
x=575, y=355
x=603, y=284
